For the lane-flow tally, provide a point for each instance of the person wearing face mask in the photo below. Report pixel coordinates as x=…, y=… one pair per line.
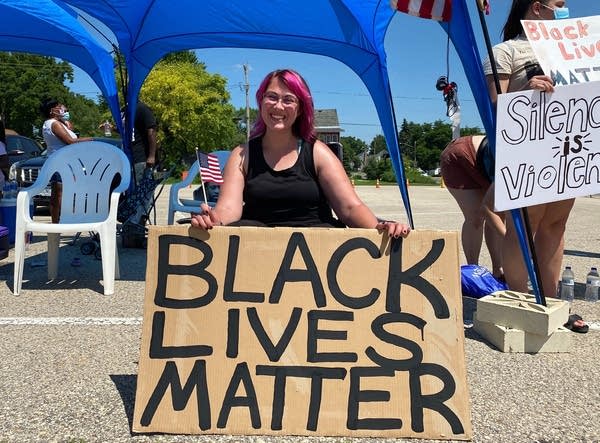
x=518, y=69
x=285, y=176
x=56, y=135
x=66, y=118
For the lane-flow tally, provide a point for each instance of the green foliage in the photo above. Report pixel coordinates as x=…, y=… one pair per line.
x=85, y=114
x=182, y=57
x=415, y=177
x=240, y=121
x=430, y=139
x=378, y=144
x=377, y=168
x=354, y=150
x=192, y=109
x=27, y=80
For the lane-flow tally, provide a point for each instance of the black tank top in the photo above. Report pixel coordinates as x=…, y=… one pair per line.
x=291, y=197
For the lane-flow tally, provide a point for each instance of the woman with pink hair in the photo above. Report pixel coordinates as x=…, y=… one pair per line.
x=285, y=176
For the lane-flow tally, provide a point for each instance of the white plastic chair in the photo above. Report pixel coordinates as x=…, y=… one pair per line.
x=87, y=170
x=177, y=204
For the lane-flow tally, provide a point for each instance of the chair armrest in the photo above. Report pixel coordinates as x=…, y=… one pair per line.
x=192, y=173
x=23, y=204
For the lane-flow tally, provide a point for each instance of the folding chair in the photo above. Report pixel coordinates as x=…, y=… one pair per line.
x=87, y=170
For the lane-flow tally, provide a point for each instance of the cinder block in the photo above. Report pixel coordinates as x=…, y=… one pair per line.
x=515, y=340
x=519, y=311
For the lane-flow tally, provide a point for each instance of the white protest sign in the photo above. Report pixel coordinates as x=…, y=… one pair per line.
x=568, y=50
x=547, y=145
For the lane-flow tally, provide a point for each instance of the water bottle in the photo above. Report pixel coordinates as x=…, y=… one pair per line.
x=592, y=284
x=567, y=285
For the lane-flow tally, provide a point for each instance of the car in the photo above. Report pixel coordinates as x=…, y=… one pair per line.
x=21, y=148
x=25, y=172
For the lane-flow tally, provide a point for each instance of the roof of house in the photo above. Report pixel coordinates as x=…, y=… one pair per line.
x=326, y=119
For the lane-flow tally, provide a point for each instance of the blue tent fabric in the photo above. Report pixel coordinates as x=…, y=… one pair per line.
x=42, y=27
x=351, y=31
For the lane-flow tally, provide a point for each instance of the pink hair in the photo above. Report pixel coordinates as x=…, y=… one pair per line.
x=303, y=127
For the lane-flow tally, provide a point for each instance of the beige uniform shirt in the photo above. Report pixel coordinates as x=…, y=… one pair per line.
x=515, y=58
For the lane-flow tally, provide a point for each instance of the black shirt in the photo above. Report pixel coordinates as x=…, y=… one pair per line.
x=291, y=197
x=144, y=120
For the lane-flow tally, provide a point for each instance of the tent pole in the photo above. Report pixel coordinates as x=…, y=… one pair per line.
x=407, y=202
x=520, y=216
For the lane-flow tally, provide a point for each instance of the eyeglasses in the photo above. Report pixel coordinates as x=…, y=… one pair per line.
x=287, y=100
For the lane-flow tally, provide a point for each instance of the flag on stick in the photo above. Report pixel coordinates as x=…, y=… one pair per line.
x=210, y=170
x=440, y=10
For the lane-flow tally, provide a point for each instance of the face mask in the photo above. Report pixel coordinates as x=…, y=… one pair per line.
x=66, y=116
x=560, y=13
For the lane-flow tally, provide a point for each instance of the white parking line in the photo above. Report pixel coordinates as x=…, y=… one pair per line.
x=62, y=321
x=127, y=321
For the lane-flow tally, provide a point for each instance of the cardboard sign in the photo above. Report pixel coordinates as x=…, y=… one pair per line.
x=547, y=145
x=568, y=50
x=319, y=332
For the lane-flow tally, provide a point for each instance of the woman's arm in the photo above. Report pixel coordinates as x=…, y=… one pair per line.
x=60, y=130
x=539, y=82
x=229, y=205
x=491, y=84
x=343, y=198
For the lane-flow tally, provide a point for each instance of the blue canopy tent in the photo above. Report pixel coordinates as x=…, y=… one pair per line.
x=351, y=31
x=41, y=27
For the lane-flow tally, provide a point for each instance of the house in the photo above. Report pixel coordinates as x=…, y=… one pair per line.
x=327, y=125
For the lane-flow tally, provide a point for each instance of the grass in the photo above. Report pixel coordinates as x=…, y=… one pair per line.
x=362, y=182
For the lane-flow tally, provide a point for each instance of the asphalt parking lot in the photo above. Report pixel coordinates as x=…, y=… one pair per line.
x=69, y=353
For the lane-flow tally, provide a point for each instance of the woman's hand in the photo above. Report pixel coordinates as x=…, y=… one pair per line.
x=206, y=219
x=394, y=229
x=541, y=83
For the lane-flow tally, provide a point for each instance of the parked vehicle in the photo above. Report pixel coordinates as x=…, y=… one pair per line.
x=25, y=172
x=21, y=148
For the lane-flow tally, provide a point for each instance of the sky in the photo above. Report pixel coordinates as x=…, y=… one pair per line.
x=418, y=53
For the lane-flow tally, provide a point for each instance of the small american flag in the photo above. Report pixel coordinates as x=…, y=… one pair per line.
x=209, y=168
x=435, y=9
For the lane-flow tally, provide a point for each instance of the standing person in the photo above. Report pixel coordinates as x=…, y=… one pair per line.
x=143, y=143
x=144, y=152
x=465, y=176
x=285, y=176
x=56, y=135
x=4, y=160
x=518, y=70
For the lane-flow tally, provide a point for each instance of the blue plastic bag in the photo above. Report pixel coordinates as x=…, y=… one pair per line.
x=477, y=281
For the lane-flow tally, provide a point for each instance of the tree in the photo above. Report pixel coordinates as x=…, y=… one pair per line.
x=354, y=151
x=26, y=81
x=85, y=114
x=379, y=169
x=378, y=144
x=240, y=120
x=191, y=106
x=430, y=140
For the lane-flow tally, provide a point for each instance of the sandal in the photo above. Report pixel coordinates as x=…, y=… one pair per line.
x=576, y=324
